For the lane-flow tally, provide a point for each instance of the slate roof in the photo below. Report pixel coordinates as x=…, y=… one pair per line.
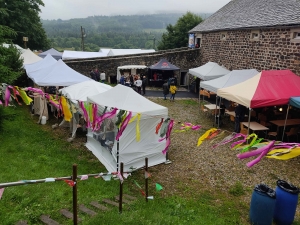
x=252, y=14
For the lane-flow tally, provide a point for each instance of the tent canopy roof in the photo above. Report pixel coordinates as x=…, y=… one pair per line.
x=84, y=89
x=55, y=54
x=209, y=71
x=114, y=52
x=81, y=55
x=268, y=88
x=29, y=57
x=125, y=98
x=59, y=74
x=132, y=67
x=47, y=61
x=163, y=64
x=295, y=101
x=232, y=78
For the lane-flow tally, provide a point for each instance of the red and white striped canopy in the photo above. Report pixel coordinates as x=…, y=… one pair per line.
x=268, y=88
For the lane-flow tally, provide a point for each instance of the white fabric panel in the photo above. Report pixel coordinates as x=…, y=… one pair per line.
x=58, y=74
x=114, y=52
x=81, y=55
x=29, y=57
x=209, y=71
x=125, y=98
x=84, y=89
x=241, y=93
x=54, y=53
x=47, y=61
x=232, y=78
x=104, y=50
x=131, y=153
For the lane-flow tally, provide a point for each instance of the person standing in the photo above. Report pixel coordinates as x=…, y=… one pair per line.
x=144, y=82
x=240, y=111
x=92, y=74
x=97, y=74
x=165, y=89
x=173, y=90
x=102, y=76
x=122, y=80
x=138, y=83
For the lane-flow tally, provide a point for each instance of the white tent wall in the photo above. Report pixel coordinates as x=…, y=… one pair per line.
x=68, y=55
x=131, y=153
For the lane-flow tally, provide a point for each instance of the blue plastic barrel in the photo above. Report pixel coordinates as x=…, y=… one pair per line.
x=262, y=205
x=286, y=203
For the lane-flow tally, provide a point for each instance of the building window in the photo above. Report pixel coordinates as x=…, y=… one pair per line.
x=223, y=36
x=254, y=35
x=295, y=35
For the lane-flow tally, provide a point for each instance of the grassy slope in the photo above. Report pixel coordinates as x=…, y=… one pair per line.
x=31, y=151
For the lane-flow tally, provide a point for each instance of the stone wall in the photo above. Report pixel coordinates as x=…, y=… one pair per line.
x=183, y=58
x=273, y=50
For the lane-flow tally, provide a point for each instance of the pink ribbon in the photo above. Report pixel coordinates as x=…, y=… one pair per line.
x=35, y=90
x=95, y=111
x=100, y=119
x=7, y=96
x=124, y=125
x=227, y=139
x=240, y=141
x=168, y=134
x=85, y=114
x=262, y=151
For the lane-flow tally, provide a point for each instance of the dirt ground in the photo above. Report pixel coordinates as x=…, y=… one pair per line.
x=205, y=168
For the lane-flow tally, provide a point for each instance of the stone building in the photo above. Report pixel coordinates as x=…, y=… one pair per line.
x=252, y=34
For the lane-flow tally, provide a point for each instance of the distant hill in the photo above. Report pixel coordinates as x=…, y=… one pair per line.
x=133, y=31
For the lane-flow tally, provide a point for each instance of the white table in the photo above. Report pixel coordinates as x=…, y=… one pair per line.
x=255, y=126
x=211, y=106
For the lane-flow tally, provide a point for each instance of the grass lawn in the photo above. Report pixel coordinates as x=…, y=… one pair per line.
x=30, y=151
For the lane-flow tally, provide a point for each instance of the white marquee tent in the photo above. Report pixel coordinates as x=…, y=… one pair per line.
x=232, y=78
x=47, y=61
x=114, y=52
x=29, y=57
x=54, y=53
x=58, y=74
x=104, y=50
x=68, y=55
x=84, y=89
x=133, y=69
x=131, y=152
x=209, y=71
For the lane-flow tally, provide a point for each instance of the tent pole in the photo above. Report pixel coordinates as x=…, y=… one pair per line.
x=287, y=113
x=219, y=112
x=118, y=145
x=215, y=122
x=249, y=118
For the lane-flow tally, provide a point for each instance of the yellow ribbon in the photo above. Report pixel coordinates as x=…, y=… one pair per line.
x=66, y=109
x=137, y=128
x=26, y=99
x=284, y=153
x=205, y=135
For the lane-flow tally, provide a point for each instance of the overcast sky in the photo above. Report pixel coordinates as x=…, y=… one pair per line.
x=67, y=9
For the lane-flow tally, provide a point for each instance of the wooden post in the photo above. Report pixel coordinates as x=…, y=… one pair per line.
x=146, y=178
x=121, y=189
x=74, y=178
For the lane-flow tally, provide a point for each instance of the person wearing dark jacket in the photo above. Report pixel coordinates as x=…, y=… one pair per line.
x=240, y=111
x=165, y=89
x=144, y=82
x=93, y=75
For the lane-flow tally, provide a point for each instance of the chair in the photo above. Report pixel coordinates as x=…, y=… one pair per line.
x=272, y=134
x=293, y=132
x=243, y=129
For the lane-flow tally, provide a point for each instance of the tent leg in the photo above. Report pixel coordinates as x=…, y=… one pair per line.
x=249, y=118
x=118, y=145
x=220, y=99
x=287, y=113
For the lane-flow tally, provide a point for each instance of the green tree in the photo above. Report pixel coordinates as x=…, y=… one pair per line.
x=23, y=17
x=177, y=35
x=10, y=62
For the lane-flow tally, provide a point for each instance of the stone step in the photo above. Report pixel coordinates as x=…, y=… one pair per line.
x=87, y=210
x=47, y=220
x=68, y=214
x=124, y=200
x=110, y=202
x=129, y=197
x=22, y=222
x=99, y=206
